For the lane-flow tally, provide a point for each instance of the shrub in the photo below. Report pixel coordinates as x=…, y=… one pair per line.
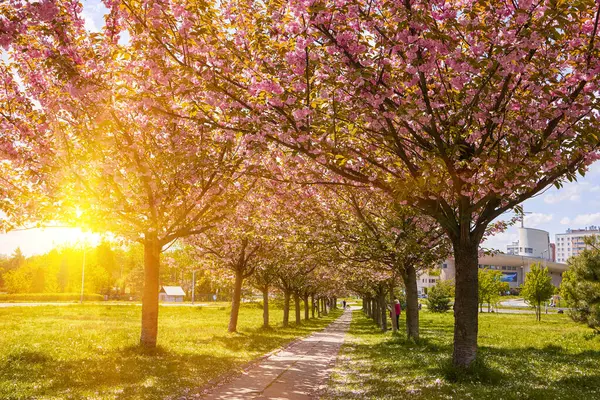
x=439, y=296
x=50, y=297
x=581, y=286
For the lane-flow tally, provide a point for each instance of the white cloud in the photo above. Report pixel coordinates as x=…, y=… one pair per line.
x=89, y=23
x=565, y=221
x=537, y=219
x=595, y=189
x=500, y=240
x=594, y=169
x=93, y=14
x=587, y=219
x=570, y=192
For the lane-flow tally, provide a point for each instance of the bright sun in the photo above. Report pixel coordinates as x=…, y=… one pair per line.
x=40, y=241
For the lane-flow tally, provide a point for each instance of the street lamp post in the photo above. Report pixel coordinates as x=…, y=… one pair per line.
x=82, y=276
x=545, y=258
x=193, y=285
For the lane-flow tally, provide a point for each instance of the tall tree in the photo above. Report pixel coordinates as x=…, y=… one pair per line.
x=139, y=156
x=369, y=227
x=461, y=110
x=537, y=288
x=490, y=286
x=264, y=279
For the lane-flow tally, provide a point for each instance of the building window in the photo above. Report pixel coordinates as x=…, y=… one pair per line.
x=444, y=265
x=528, y=250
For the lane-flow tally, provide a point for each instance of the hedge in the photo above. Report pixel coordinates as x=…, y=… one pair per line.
x=50, y=297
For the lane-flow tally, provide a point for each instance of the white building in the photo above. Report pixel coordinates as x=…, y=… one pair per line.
x=532, y=247
x=171, y=294
x=532, y=243
x=571, y=243
x=514, y=268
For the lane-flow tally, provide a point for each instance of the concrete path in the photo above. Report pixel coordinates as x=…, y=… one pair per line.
x=514, y=303
x=295, y=373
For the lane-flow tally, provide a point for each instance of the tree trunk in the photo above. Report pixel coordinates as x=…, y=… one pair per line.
x=383, y=310
x=306, y=312
x=374, y=314
x=412, y=303
x=265, y=307
x=297, y=307
x=286, y=308
x=466, y=302
x=393, y=309
x=318, y=304
x=235, y=301
x=325, y=307
x=152, y=250
x=335, y=303
x=312, y=302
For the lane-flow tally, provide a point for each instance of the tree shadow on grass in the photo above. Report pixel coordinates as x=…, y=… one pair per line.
x=27, y=356
x=130, y=372
x=254, y=341
x=266, y=339
x=399, y=368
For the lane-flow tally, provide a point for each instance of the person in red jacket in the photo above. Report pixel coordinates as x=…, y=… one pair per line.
x=398, y=310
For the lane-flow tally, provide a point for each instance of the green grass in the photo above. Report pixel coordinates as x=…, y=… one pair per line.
x=91, y=352
x=520, y=359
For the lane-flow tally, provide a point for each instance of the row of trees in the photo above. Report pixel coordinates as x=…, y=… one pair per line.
x=110, y=269
x=158, y=126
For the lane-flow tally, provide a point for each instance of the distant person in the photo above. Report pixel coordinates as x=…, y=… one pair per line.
x=398, y=310
x=344, y=304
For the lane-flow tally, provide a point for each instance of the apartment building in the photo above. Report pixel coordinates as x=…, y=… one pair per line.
x=571, y=243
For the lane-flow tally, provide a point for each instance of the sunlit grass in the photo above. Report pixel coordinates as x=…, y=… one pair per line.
x=91, y=351
x=523, y=359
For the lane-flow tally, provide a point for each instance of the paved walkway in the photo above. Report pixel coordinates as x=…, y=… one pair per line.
x=292, y=374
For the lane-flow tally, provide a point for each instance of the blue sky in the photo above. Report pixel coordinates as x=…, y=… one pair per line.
x=576, y=205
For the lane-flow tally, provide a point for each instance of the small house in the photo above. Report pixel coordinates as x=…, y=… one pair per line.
x=171, y=294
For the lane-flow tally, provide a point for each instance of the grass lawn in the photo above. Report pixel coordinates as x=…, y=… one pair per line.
x=523, y=359
x=91, y=352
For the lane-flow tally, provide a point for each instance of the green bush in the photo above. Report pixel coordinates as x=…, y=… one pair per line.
x=439, y=296
x=581, y=285
x=49, y=297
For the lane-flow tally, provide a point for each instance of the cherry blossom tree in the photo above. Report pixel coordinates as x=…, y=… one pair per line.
x=461, y=110
x=25, y=152
x=242, y=243
x=139, y=155
x=405, y=243
x=264, y=279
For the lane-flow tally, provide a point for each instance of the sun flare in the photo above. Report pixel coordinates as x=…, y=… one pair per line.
x=42, y=240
